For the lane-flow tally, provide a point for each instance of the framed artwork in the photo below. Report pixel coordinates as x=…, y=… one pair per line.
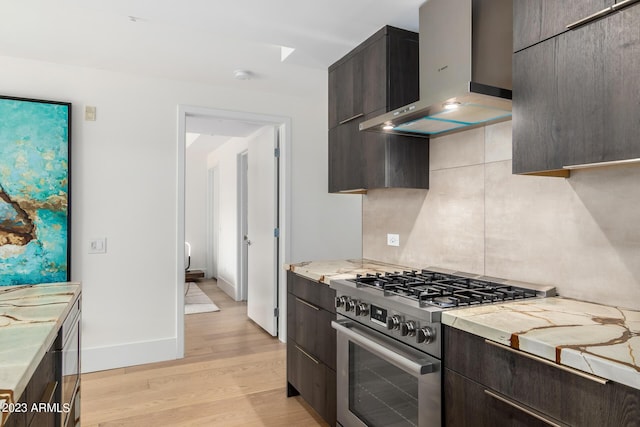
x=35, y=157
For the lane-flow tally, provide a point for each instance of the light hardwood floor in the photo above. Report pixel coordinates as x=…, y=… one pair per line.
x=233, y=374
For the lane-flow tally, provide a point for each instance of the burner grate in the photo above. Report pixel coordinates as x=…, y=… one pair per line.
x=442, y=290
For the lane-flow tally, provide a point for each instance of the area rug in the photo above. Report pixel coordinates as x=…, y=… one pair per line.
x=196, y=301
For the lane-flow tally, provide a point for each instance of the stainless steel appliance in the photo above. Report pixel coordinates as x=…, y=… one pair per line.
x=389, y=346
x=465, y=70
x=68, y=345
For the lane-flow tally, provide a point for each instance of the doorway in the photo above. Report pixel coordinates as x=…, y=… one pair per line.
x=282, y=204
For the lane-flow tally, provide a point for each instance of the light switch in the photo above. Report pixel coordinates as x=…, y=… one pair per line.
x=90, y=113
x=98, y=246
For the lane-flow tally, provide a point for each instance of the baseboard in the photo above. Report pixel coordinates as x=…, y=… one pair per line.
x=120, y=356
x=228, y=288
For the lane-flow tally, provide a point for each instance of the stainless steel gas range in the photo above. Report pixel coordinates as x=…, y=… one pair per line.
x=389, y=347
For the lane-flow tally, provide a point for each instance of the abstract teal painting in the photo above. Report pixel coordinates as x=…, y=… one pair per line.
x=35, y=141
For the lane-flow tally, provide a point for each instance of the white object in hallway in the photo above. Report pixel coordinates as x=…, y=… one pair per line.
x=393, y=240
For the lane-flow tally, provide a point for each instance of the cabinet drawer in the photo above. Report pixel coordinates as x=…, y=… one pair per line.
x=315, y=382
x=318, y=294
x=561, y=395
x=310, y=327
x=468, y=405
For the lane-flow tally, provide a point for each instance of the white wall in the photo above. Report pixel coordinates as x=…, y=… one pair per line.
x=124, y=176
x=226, y=158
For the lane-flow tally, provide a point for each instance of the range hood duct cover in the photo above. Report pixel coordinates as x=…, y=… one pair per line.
x=465, y=70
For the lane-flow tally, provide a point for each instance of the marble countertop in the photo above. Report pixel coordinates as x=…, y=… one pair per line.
x=30, y=317
x=325, y=271
x=596, y=339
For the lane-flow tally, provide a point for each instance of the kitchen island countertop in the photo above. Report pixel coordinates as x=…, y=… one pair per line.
x=597, y=339
x=30, y=317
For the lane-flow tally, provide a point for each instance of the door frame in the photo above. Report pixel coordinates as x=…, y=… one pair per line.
x=284, y=205
x=243, y=213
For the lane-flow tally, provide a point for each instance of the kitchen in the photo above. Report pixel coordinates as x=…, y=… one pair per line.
x=587, y=214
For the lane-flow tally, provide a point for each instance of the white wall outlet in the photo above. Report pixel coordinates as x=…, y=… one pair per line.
x=393, y=240
x=98, y=246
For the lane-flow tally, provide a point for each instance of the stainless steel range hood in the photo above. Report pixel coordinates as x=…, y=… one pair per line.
x=465, y=70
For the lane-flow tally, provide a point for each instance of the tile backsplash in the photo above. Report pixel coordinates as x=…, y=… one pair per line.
x=580, y=234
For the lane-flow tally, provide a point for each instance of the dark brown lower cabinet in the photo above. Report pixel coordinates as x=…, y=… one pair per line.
x=313, y=380
x=488, y=385
x=40, y=390
x=311, y=344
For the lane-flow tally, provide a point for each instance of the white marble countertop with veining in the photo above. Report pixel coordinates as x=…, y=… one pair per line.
x=30, y=317
x=598, y=339
x=325, y=271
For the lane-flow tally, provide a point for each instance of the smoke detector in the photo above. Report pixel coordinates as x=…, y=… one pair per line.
x=242, y=74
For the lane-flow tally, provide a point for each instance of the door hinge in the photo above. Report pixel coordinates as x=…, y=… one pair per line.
x=276, y=232
x=276, y=312
x=276, y=152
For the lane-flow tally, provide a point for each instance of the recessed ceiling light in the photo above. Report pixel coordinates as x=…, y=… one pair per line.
x=242, y=74
x=388, y=126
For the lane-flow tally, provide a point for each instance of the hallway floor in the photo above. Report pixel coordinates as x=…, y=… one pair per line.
x=233, y=374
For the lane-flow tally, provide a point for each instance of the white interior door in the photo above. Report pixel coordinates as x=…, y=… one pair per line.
x=262, y=223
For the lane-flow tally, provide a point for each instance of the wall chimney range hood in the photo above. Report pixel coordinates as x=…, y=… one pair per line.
x=465, y=70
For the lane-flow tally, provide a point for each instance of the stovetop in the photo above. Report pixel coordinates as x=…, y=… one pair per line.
x=444, y=290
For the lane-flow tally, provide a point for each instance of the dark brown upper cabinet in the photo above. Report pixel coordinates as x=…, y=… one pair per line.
x=538, y=20
x=576, y=97
x=379, y=75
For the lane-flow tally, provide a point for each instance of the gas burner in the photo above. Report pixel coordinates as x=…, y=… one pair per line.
x=431, y=288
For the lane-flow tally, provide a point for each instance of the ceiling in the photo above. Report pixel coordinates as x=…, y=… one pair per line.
x=200, y=41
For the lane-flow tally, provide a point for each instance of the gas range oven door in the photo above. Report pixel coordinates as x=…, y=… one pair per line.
x=383, y=382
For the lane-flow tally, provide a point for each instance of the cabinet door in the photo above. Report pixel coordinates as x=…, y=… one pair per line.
x=575, y=97
x=396, y=161
x=403, y=68
x=537, y=123
x=346, y=90
x=537, y=20
x=346, y=158
x=374, y=76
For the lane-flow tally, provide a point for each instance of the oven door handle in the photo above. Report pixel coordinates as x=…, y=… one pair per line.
x=416, y=365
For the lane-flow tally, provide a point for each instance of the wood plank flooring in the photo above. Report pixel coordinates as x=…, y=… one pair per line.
x=233, y=374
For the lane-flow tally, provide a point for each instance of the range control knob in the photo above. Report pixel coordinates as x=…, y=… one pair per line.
x=408, y=328
x=350, y=305
x=425, y=335
x=341, y=301
x=393, y=322
x=362, y=309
